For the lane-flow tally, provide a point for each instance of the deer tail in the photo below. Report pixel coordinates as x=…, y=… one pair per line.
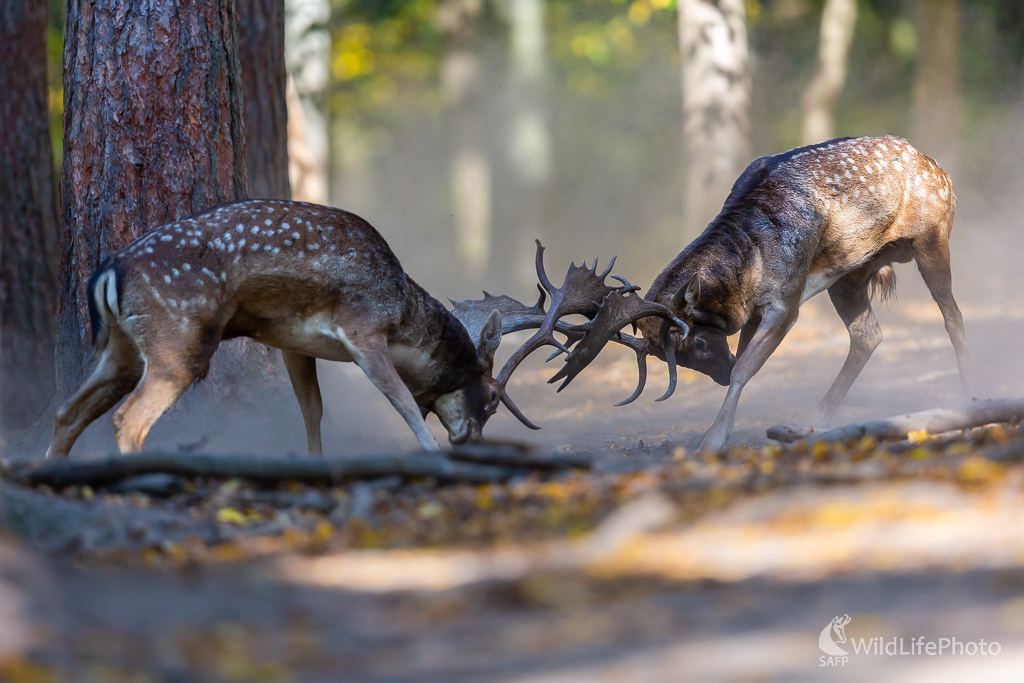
x=104, y=295
x=883, y=285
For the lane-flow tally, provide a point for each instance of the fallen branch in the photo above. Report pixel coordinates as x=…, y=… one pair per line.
x=333, y=470
x=936, y=421
x=1007, y=452
x=518, y=455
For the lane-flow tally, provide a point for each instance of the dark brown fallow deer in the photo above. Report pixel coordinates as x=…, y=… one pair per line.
x=832, y=216
x=313, y=281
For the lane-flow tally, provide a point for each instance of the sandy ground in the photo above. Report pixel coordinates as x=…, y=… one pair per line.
x=739, y=595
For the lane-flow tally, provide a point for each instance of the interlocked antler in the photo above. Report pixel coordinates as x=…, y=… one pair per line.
x=620, y=308
x=583, y=292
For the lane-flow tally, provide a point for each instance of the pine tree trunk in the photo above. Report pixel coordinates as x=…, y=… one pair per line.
x=152, y=133
x=264, y=78
x=28, y=218
x=937, y=82
x=819, y=102
x=716, y=101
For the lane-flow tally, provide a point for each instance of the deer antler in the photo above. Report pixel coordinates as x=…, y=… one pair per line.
x=622, y=307
x=583, y=292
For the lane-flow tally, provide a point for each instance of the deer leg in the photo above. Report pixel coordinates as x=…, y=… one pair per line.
x=302, y=372
x=117, y=373
x=170, y=370
x=932, y=255
x=775, y=323
x=853, y=303
x=747, y=333
x=373, y=357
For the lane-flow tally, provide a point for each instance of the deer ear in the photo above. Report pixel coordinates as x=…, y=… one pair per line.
x=687, y=297
x=490, y=337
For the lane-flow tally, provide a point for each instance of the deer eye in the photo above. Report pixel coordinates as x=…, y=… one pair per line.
x=701, y=344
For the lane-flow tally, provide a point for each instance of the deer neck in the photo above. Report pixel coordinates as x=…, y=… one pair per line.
x=725, y=262
x=430, y=348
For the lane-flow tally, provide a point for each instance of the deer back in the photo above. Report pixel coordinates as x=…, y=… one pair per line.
x=260, y=268
x=796, y=222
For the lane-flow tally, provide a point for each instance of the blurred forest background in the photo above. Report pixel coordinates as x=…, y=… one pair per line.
x=463, y=129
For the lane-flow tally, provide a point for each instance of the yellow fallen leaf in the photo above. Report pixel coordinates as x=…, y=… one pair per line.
x=87, y=492
x=18, y=670
x=231, y=516
x=820, y=450
x=323, y=531
x=917, y=436
x=979, y=470
x=484, y=499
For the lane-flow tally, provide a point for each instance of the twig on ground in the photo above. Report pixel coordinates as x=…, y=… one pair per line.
x=936, y=421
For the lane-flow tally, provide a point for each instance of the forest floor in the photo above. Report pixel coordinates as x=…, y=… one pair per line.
x=659, y=565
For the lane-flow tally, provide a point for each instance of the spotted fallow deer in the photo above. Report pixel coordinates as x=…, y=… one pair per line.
x=313, y=281
x=832, y=216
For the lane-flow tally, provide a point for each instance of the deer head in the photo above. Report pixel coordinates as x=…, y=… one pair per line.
x=464, y=410
x=705, y=349
x=583, y=292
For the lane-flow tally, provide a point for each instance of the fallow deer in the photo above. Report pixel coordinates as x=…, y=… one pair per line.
x=313, y=281
x=832, y=216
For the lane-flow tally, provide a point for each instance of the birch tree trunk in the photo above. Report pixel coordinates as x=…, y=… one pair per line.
x=152, y=133
x=937, y=81
x=307, y=54
x=264, y=78
x=28, y=219
x=471, y=169
x=716, y=100
x=819, y=101
x=529, y=139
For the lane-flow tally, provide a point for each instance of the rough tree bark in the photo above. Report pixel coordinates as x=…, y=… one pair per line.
x=152, y=133
x=716, y=100
x=264, y=79
x=28, y=218
x=937, y=82
x=471, y=169
x=819, y=101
